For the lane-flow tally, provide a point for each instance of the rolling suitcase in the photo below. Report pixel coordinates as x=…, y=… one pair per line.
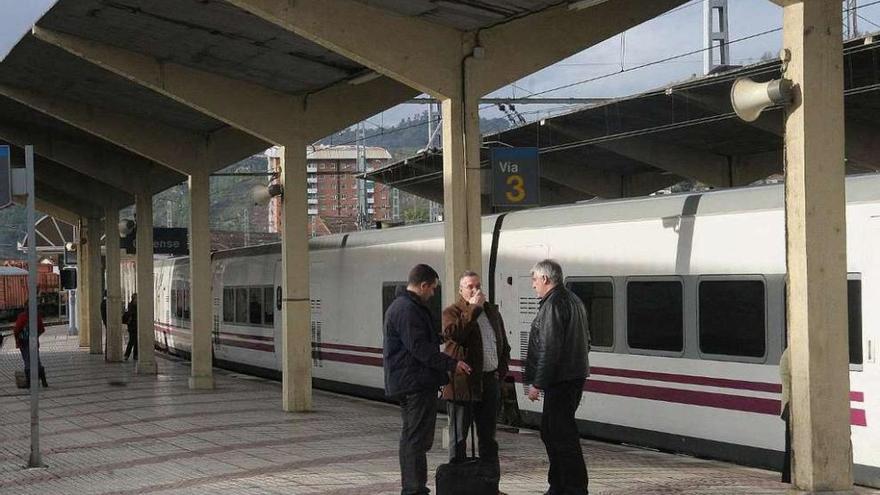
x=468, y=476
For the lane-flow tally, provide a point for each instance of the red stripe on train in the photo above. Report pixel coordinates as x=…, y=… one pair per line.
x=716, y=400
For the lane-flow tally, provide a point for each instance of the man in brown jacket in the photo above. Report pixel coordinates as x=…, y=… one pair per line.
x=473, y=331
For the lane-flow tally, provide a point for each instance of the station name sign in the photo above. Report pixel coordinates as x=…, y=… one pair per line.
x=166, y=240
x=515, y=177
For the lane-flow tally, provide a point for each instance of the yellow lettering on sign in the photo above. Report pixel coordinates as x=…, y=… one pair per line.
x=518, y=190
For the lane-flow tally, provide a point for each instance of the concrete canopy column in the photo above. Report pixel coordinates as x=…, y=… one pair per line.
x=461, y=190
x=201, y=376
x=114, y=287
x=82, y=288
x=816, y=249
x=146, y=363
x=96, y=277
x=296, y=366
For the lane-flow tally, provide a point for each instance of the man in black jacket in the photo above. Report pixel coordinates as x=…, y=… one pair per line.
x=557, y=364
x=415, y=369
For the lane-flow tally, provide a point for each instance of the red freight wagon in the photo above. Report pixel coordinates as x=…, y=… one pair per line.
x=13, y=291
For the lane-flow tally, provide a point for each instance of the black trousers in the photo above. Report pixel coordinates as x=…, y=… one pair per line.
x=419, y=414
x=482, y=413
x=786, y=460
x=26, y=357
x=559, y=432
x=132, y=344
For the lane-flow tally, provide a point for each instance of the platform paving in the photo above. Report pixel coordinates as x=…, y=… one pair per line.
x=106, y=430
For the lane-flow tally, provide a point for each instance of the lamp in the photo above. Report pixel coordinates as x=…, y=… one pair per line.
x=750, y=98
x=262, y=194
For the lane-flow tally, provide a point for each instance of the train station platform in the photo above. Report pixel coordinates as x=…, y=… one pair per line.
x=106, y=430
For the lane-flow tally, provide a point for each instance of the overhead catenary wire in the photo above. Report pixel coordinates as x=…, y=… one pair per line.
x=630, y=69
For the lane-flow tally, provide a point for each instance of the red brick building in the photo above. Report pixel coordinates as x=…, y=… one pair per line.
x=334, y=191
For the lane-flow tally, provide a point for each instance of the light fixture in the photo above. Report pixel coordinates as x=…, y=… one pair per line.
x=70, y=247
x=750, y=98
x=126, y=227
x=262, y=194
x=584, y=4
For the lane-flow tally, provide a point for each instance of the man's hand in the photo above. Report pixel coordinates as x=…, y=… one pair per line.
x=534, y=393
x=478, y=298
x=462, y=368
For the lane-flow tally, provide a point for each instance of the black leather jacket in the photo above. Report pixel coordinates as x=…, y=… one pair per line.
x=559, y=341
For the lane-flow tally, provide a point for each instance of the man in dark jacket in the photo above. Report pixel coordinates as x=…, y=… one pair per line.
x=415, y=369
x=130, y=318
x=474, y=331
x=557, y=364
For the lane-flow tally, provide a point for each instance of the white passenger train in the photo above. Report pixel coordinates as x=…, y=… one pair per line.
x=685, y=295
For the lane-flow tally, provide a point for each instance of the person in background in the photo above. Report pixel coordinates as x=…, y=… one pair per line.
x=415, y=369
x=130, y=318
x=21, y=331
x=785, y=412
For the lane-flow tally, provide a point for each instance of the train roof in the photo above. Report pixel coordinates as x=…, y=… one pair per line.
x=859, y=189
x=11, y=270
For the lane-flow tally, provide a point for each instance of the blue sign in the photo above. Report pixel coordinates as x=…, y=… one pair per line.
x=516, y=177
x=5, y=177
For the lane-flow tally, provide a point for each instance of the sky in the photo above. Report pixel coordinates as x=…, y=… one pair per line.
x=674, y=33
x=16, y=19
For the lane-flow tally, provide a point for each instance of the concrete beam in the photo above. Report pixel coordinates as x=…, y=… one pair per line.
x=55, y=211
x=530, y=43
x=589, y=181
x=51, y=196
x=175, y=148
x=271, y=115
x=178, y=149
x=707, y=168
x=120, y=170
x=74, y=184
x=815, y=208
x=420, y=54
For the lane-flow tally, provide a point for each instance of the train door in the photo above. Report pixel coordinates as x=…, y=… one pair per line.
x=865, y=376
x=277, y=326
x=523, y=302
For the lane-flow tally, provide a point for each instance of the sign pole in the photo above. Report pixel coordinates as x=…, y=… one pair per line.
x=35, y=460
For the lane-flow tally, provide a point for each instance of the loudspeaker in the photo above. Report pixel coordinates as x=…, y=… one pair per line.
x=750, y=98
x=68, y=278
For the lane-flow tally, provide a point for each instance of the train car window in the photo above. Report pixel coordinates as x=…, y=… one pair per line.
x=732, y=319
x=654, y=315
x=854, y=324
x=228, y=305
x=186, y=303
x=268, y=307
x=255, y=306
x=389, y=293
x=854, y=297
x=241, y=305
x=598, y=298
x=173, y=302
